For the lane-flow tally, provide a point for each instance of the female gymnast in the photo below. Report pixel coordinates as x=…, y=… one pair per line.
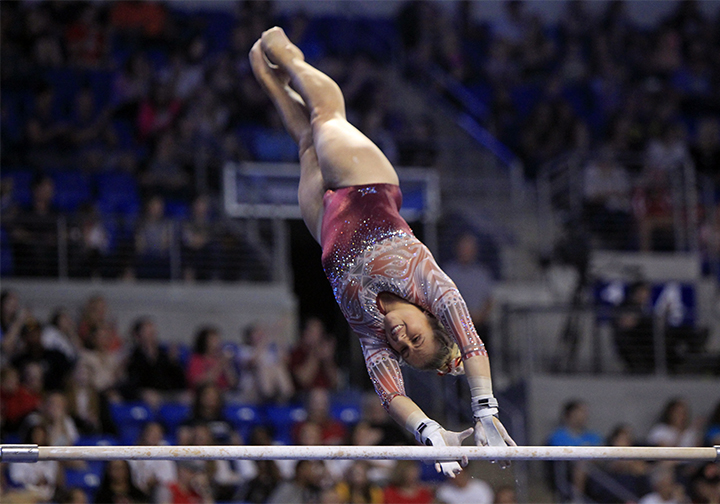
x=387, y=283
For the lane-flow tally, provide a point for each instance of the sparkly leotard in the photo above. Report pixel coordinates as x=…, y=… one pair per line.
x=367, y=249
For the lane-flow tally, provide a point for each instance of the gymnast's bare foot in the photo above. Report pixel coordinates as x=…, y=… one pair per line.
x=278, y=48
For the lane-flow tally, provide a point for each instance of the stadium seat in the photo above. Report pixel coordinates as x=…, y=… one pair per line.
x=346, y=413
x=88, y=480
x=282, y=418
x=72, y=189
x=97, y=440
x=243, y=417
x=129, y=420
x=172, y=414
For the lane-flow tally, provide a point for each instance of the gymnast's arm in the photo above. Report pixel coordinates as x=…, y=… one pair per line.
x=384, y=370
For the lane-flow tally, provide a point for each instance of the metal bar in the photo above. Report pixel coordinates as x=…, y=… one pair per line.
x=21, y=453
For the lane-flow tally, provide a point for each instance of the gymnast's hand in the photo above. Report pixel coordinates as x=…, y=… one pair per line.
x=431, y=433
x=489, y=431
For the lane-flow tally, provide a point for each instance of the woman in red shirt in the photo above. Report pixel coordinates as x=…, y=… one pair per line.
x=209, y=363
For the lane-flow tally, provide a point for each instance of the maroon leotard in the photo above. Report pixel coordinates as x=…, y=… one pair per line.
x=368, y=248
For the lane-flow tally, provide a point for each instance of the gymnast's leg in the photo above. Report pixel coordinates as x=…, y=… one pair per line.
x=346, y=156
x=296, y=118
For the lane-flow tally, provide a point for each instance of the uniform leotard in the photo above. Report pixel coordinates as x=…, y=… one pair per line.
x=368, y=248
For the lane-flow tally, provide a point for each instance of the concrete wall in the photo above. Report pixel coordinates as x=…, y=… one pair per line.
x=614, y=400
x=178, y=309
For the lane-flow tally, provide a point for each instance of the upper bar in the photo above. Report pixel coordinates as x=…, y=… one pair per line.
x=33, y=453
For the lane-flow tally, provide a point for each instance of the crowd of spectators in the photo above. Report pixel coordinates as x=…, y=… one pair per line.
x=78, y=380
x=636, y=480
x=119, y=117
x=117, y=105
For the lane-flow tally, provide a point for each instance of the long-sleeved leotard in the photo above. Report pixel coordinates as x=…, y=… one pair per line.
x=367, y=249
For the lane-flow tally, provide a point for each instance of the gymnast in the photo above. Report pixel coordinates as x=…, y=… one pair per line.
x=402, y=306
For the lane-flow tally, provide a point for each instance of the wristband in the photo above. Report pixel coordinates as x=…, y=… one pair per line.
x=484, y=406
x=421, y=426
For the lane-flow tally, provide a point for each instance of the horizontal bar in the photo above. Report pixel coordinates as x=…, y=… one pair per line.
x=10, y=453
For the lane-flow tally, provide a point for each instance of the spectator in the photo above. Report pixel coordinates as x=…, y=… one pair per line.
x=666, y=489
x=153, y=239
x=55, y=366
x=405, y=486
x=627, y=478
x=705, y=484
x=226, y=477
x=61, y=335
x=16, y=401
x=199, y=242
x=12, y=321
x=674, y=427
x=88, y=124
x=464, y=488
x=317, y=405
x=117, y=486
x=210, y=363
x=151, y=475
x=264, y=373
x=357, y=488
x=165, y=174
x=157, y=112
x=105, y=362
x=634, y=328
x=192, y=485
x=208, y=408
x=152, y=370
x=86, y=38
x=60, y=427
x=84, y=401
x=41, y=478
x=94, y=315
x=90, y=245
x=389, y=432
x=568, y=479
x=264, y=484
x=474, y=282
x=44, y=132
x=131, y=86
x=607, y=201
x=312, y=361
x=35, y=233
x=305, y=488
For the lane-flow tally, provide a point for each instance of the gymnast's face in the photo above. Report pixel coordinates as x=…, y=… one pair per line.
x=410, y=334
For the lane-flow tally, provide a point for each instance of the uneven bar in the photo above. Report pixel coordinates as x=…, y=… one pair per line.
x=27, y=453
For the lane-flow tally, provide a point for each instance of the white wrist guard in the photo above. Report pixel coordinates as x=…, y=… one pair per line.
x=484, y=406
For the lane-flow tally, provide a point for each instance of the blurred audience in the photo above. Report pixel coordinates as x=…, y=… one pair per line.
x=264, y=373
x=406, y=487
x=465, y=488
x=675, y=426
x=151, y=368
x=210, y=363
x=117, y=485
x=312, y=360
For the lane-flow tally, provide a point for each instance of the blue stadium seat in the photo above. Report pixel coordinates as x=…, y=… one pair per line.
x=118, y=193
x=347, y=413
x=282, y=418
x=243, y=417
x=172, y=414
x=97, y=440
x=88, y=480
x=129, y=419
x=22, y=184
x=72, y=189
